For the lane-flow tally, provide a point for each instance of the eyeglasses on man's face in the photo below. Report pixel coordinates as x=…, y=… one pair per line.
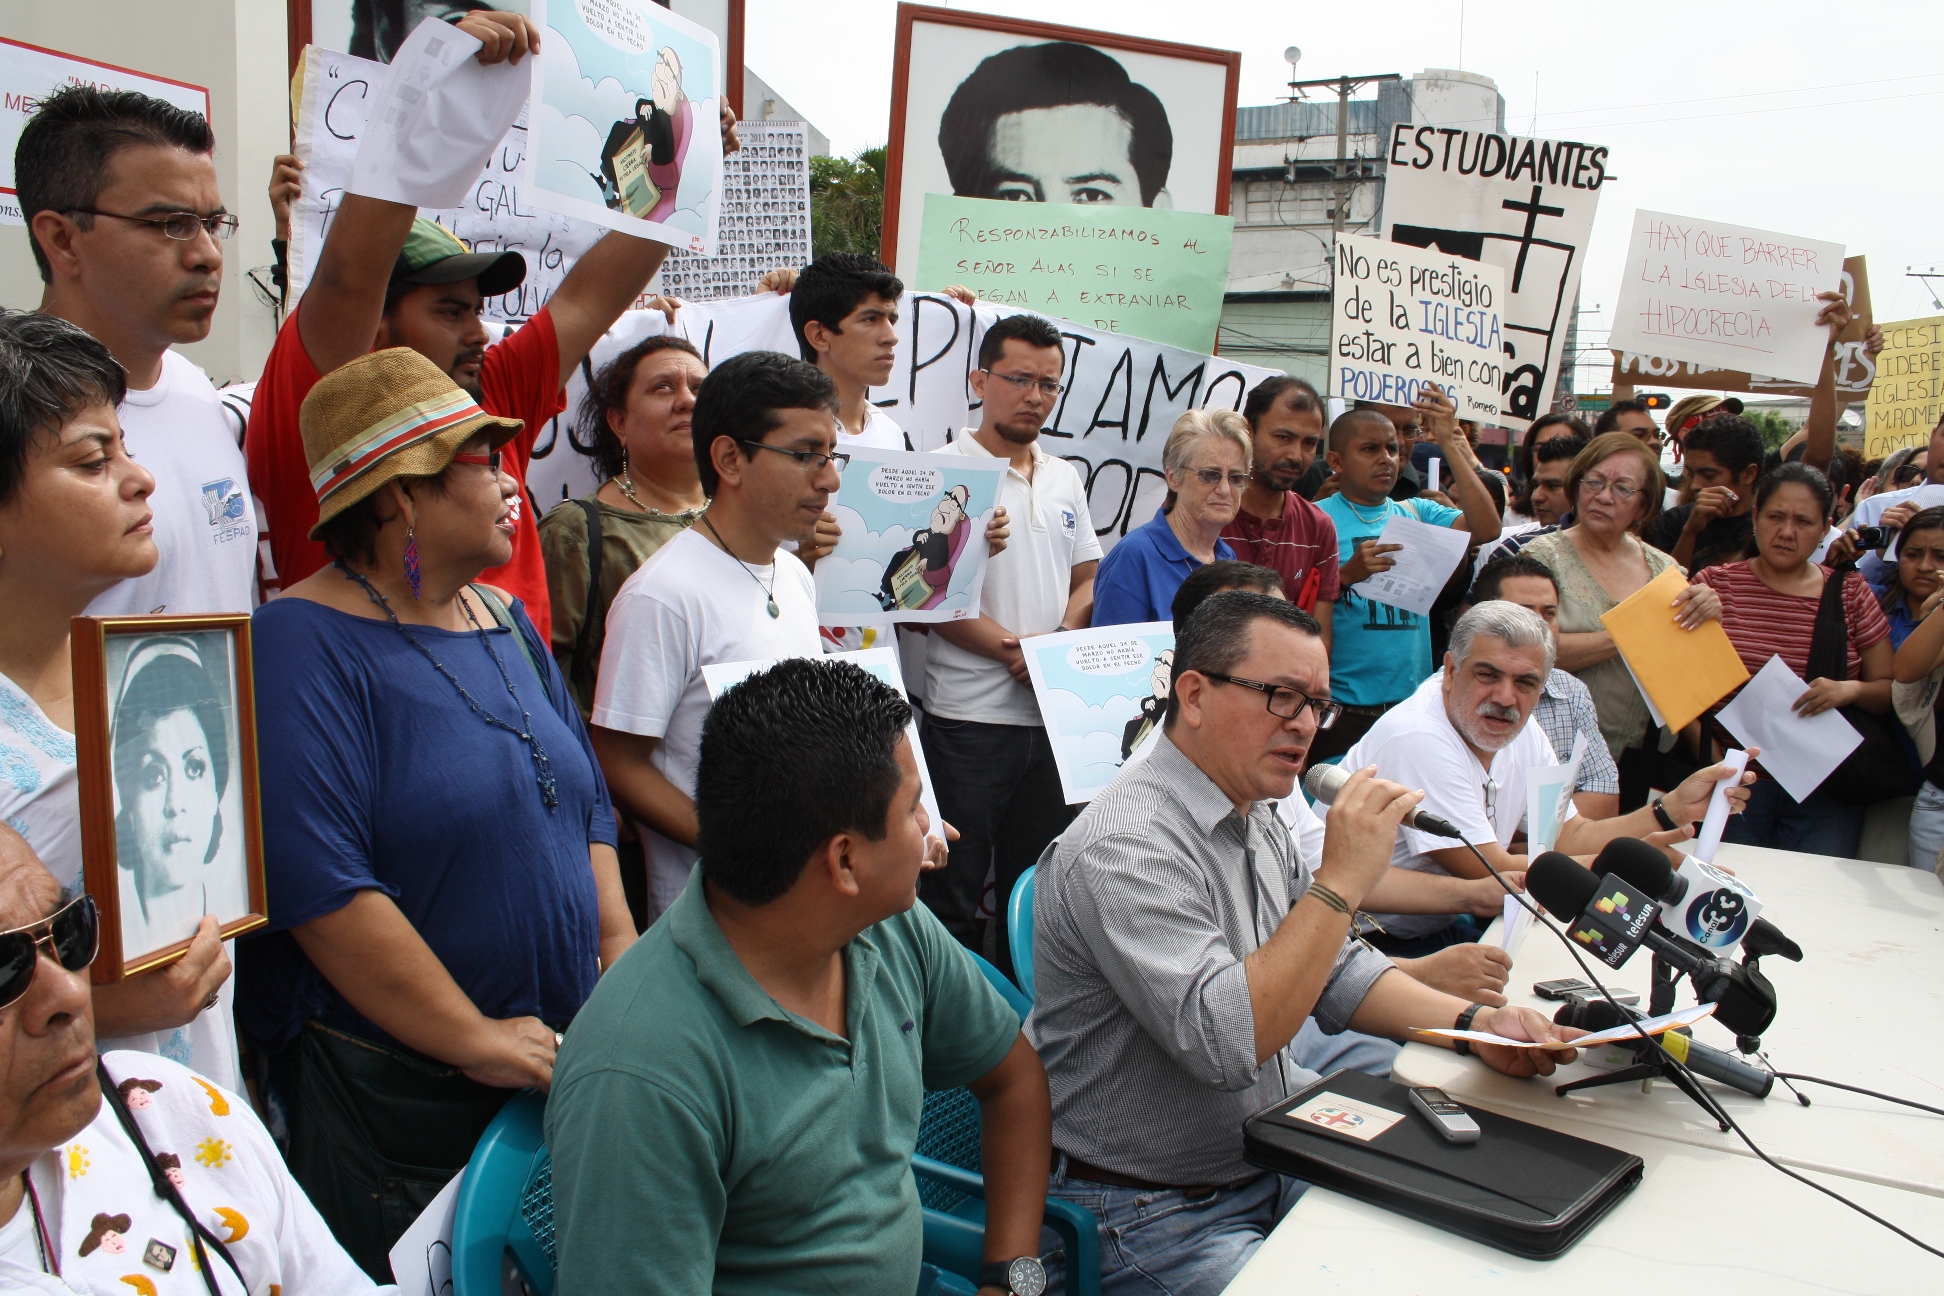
x=1025, y=382
x=814, y=460
x=180, y=226
x=1283, y=702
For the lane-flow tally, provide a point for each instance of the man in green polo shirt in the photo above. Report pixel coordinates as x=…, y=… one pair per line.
x=735, y=1108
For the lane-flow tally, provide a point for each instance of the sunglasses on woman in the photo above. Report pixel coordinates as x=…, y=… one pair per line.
x=72, y=935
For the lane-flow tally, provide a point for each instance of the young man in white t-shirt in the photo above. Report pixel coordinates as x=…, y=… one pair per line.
x=725, y=590
x=1465, y=736
x=119, y=191
x=985, y=742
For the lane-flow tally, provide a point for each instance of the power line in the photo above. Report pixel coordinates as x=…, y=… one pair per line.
x=1750, y=94
x=1747, y=112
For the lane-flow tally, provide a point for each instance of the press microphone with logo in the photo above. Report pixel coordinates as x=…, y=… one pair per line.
x=1717, y=920
x=1612, y=918
x=1716, y=1064
x=1323, y=782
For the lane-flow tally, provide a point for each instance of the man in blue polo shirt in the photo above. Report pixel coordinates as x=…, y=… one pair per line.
x=736, y=1107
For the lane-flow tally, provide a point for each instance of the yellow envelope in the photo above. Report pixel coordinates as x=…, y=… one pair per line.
x=1683, y=672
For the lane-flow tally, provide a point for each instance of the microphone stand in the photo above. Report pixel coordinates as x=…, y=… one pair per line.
x=1650, y=1069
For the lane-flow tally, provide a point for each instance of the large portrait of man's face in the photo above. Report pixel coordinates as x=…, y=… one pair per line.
x=997, y=108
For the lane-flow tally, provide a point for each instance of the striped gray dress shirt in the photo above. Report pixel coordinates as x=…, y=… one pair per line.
x=1143, y=912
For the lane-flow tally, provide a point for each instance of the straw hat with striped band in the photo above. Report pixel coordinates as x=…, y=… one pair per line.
x=389, y=414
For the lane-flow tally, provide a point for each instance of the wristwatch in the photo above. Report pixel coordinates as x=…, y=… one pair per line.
x=1022, y=1276
x=1463, y=1047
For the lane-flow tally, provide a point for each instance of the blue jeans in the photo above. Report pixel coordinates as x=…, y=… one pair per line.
x=1927, y=826
x=1163, y=1242
x=1323, y=1054
x=1822, y=825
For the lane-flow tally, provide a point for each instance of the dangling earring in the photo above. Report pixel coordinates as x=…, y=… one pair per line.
x=411, y=562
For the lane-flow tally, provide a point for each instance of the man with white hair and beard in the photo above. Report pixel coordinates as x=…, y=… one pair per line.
x=1465, y=737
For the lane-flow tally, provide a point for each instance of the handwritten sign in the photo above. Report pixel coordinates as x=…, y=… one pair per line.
x=1147, y=272
x=1726, y=295
x=1908, y=397
x=765, y=217
x=1403, y=317
x=1855, y=370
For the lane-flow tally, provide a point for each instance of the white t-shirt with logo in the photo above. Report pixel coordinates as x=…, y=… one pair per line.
x=40, y=798
x=205, y=525
x=692, y=605
x=1026, y=587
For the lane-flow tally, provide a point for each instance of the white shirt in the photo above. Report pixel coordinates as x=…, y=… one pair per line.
x=1026, y=586
x=1415, y=744
x=205, y=525
x=692, y=605
x=40, y=798
x=231, y=1176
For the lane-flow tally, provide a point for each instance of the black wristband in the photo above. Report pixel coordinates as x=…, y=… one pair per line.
x=1660, y=813
x=1463, y=1047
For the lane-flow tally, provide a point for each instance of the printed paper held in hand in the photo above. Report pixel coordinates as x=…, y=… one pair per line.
x=436, y=118
x=1549, y=791
x=1652, y=1025
x=1798, y=751
x=1429, y=556
x=1680, y=672
x=1513, y=929
x=913, y=547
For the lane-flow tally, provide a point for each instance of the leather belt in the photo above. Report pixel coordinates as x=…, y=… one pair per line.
x=1078, y=1169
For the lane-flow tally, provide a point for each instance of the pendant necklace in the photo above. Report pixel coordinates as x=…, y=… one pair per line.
x=768, y=590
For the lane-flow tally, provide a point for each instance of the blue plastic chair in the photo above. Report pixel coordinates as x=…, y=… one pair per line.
x=1019, y=929
x=506, y=1201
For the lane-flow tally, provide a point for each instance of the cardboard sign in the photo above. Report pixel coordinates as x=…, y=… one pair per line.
x=1727, y=295
x=1524, y=205
x=1403, y=318
x=1908, y=395
x=1148, y=272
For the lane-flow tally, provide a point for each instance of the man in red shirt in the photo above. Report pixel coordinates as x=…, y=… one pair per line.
x=1275, y=527
x=386, y=279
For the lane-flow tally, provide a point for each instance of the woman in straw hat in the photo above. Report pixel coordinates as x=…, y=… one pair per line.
x=438, y=840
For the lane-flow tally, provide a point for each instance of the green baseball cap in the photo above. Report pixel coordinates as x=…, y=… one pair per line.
x=433, y=254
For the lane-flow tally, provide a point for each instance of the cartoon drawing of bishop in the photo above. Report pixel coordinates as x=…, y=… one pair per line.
x=642, y=159
x=917, y=576
x=1153, y=707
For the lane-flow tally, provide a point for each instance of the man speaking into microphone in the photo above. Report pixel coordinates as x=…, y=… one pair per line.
x=1464, y=738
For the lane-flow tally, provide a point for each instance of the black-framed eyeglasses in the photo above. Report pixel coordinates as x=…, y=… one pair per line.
x=1283, y=702
x=71, y=935
x=1021, y=382
x=491, y=459
x=814, y=460
x=180, y=226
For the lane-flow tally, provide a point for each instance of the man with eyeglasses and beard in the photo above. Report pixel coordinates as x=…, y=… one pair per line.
x=86, y=1140
x=985, y=743
x=1465, y=737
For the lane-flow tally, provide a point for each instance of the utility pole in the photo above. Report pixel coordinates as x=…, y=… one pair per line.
x=1343, y=85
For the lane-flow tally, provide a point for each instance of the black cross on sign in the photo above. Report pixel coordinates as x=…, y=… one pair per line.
x=1533, y=212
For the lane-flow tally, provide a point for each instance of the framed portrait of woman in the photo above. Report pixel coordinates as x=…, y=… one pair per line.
x=165, y=737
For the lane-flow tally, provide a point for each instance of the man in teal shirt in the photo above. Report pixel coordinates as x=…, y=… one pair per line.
x=1379, y=654
x=736, y=1107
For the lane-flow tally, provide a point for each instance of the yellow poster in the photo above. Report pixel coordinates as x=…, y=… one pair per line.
x=1908, y=395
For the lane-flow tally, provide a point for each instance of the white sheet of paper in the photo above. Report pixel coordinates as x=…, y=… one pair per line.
x=1653, y=1026
x=1512, y=931
x=1549, y=791
x=1798, y=751
x=1716, y=819
x=421, y=1259
x=1429, y=556
x=437, y=118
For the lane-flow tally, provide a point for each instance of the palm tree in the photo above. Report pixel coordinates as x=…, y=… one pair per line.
x=847, y=202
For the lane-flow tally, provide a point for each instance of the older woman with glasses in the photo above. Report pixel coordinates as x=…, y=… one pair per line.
x=1616, y=488
x=1207, y=465
x=438, y=841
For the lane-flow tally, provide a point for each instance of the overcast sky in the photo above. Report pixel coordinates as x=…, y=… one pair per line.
x=1813, y=119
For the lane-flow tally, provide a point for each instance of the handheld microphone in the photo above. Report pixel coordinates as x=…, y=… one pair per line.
x=1612, y=919
x=1323, y=782
x=1713, y=1063
x=1699, y=902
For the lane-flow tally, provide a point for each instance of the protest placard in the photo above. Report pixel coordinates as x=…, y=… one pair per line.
x=765, y=220
x=1524, y=205
x=1147, y=272
x=623, y=123
x=28, y=74
x=1855, y=371
x=1402, y=318
x=1122, y=394
x=1102, y=694
x=1908, y=396
x=333, y=93
x=913, y=547
x=1726, y=295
